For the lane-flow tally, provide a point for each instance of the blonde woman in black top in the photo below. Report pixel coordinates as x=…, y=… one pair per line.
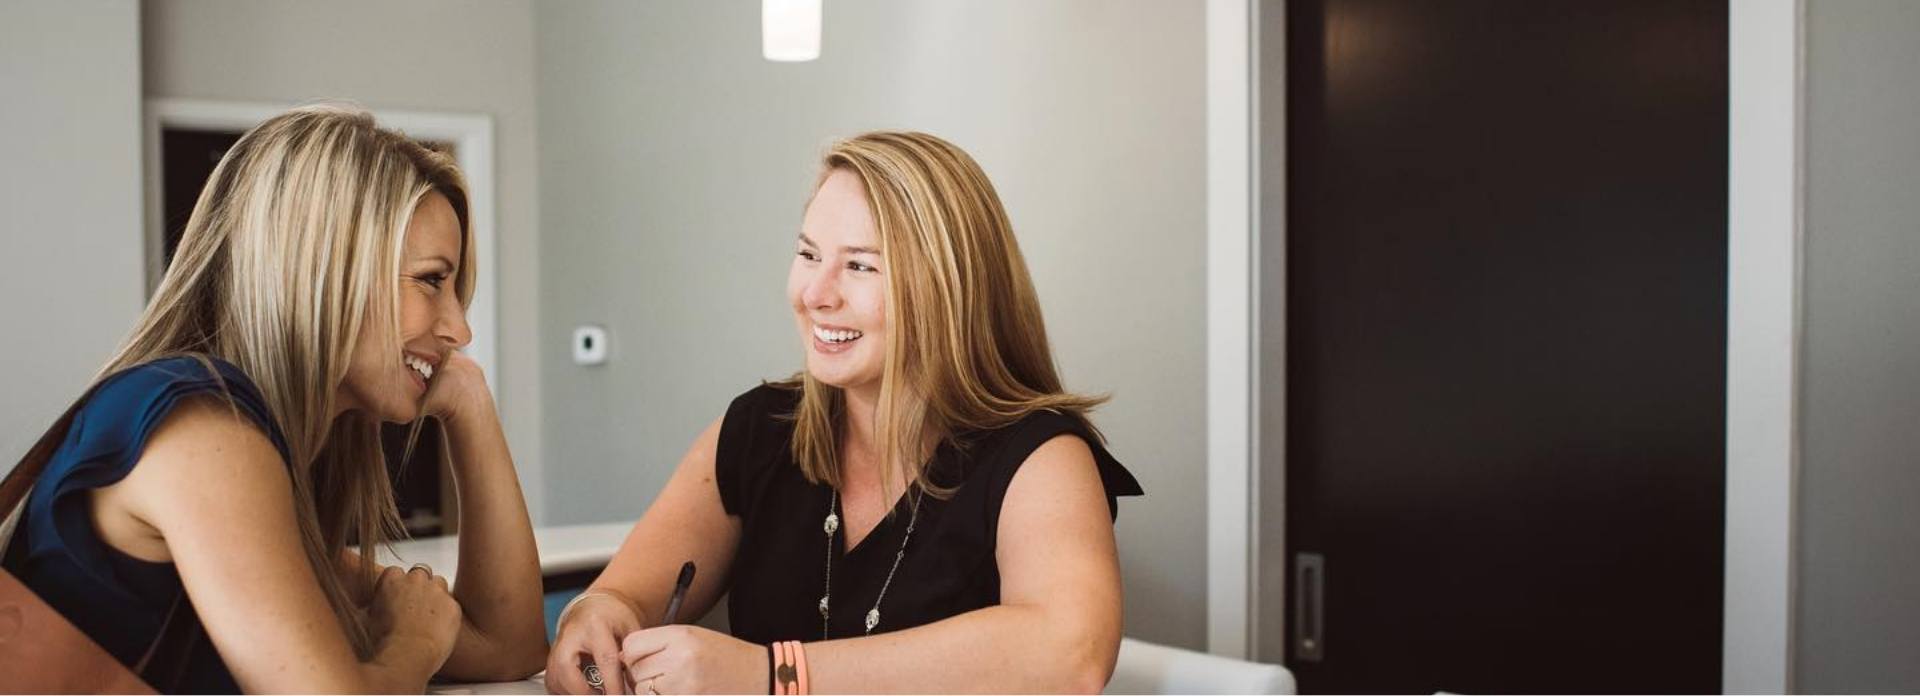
x=923, y=508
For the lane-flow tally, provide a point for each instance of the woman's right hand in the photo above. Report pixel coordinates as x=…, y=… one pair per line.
x=590, y=633
x=415, y=606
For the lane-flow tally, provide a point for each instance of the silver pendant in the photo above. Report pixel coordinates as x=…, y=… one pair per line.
x=873, y=618
x=833, y=523
x=823, y=607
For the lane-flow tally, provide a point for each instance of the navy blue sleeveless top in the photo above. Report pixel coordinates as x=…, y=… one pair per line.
x=117, y=600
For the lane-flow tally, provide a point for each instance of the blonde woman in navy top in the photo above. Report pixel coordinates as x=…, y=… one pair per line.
x=924, y=508
x=228, y=456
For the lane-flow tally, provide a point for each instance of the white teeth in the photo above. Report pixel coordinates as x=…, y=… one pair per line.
x=420, y=366
x=832, y=336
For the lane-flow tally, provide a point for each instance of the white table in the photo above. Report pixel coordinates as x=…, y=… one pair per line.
x=536, y=684
x=563, y=549
x=1143, y=668
x=530, y=685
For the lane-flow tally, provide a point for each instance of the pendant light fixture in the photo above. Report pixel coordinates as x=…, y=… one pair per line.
x=790, y=30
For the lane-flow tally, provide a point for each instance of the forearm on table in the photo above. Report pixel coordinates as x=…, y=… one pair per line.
x=1003, y=649
x=638, y=576
x=609, y=590
x=498, y=583
x=401, y=664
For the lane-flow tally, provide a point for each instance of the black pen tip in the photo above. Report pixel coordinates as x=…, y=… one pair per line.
x=686, y=574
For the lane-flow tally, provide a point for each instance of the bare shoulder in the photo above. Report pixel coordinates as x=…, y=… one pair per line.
x=1054, y=528
x=1065, y=449
x=1063, y=465
x=705, y=446
x=208, y=430
x=203, y=460
x=204, y=450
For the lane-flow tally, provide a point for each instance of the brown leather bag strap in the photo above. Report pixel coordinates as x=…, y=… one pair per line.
x=42, y=652
x=20, y=479
x=13, y=489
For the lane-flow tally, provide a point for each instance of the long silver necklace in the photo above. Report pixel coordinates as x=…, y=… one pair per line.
x=831, y=525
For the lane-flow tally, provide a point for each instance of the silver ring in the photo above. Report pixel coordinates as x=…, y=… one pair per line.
x=421, y=566
x=593, y=676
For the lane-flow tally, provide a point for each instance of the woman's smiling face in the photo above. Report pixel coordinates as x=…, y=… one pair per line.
x=432, y=321
x=837, y=286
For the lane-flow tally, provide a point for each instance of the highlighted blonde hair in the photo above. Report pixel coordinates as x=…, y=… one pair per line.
x=292, y=251
x=966, y=347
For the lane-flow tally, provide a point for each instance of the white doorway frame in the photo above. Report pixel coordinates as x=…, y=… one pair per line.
x=472, y=138
x=1765, y=111
x=1232, y=329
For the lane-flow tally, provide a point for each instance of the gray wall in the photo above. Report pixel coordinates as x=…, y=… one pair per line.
x=674, y=162
x=70, y=197
x=439, y=55
x=1858, y=613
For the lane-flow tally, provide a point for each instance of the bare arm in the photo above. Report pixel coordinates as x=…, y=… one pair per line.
x=685, y=523
x=504, y=635
x=1057, y=628
x=218, y=495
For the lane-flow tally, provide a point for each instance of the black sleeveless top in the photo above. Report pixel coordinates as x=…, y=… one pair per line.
x=779, y=570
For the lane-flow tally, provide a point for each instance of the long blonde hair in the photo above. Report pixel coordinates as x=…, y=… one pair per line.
x=966, y=347
x=292, y=250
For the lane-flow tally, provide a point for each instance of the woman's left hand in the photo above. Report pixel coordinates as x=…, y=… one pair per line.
x=459, y=388
x=682, y=659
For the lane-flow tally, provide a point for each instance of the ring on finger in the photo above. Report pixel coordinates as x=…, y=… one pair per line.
x=592, y=672
x=421, y=566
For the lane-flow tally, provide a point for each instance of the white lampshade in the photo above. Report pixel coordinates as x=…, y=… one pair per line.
x=790, y=30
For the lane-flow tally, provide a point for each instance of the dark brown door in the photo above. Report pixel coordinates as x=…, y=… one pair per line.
x=1506, y=311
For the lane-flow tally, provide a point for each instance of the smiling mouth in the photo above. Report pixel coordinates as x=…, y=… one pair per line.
x=835, y=336
x=420, y=367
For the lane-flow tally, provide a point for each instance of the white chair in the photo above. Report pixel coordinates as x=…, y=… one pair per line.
x=1147, y=668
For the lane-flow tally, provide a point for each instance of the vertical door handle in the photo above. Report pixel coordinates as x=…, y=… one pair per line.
x=1309, y=617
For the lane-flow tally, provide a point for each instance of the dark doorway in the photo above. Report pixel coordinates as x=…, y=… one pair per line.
x=187, y=158
x=1505, y=367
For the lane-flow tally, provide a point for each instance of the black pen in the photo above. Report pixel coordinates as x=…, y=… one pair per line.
x=592, y=671
x=679, y=593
